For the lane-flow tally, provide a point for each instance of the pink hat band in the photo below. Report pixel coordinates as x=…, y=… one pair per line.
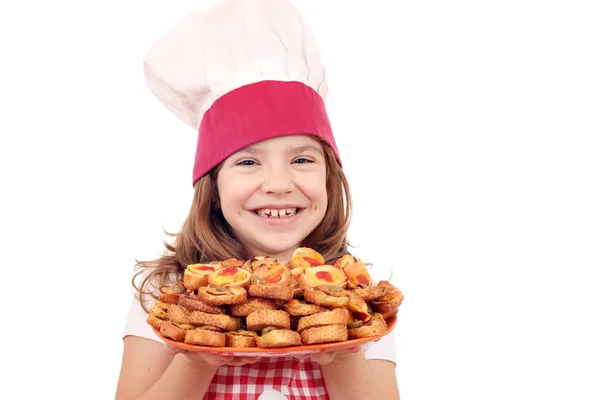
x=256, y=112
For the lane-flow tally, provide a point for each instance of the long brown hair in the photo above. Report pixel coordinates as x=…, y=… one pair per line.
x=206, y=236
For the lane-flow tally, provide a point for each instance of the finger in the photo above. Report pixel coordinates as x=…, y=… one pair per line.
x=242, y=360
x=324, y=358
x=236, y=361
x=354, y=349
x=217, y=360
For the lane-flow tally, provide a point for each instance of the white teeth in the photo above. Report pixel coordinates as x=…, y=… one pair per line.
x=273, y=213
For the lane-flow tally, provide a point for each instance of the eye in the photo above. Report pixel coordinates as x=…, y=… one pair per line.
x=247, y=162
x=303, y=160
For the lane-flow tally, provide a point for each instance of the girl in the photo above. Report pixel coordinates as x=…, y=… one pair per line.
x=267, y=180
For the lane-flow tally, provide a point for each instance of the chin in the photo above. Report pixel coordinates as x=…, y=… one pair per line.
x=278, y=246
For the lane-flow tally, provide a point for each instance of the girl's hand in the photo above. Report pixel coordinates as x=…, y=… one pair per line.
x=329, y=357
x=199, y=359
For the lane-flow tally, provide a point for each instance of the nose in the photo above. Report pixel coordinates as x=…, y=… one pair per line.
x=278, y=181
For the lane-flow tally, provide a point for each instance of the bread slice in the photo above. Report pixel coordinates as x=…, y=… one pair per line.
x=196, y=275
x=392, y=299
x=222, y=295
x=304, y=257
x=241, y=338
x=279, y=338
x=205, y=337
x=372, y=293
x=252, y=304
x=376, y=326
x=255, y=263
x=301, y=308
x=274, y=292
x=222, y=321
x=159, y=309
x=358, y=307
x=327, y=296
x=154, y=321
x=355, y=271
x=324, y=334
x=389, y=314
x=260, y=319
x=174, y=331
x=178, y=314
x=272, y=281
x=192, y=302
x=232, y=263
x=230, y=277
x=335, y=316
x=170, y=294
x=324, y=275
x=272, y=274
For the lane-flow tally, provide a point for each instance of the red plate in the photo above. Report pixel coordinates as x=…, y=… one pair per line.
x=279, y=351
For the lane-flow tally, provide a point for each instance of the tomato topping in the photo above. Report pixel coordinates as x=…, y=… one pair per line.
x=229, y=271
x=273, y=276
x=362, y=279
x=325, y=275
x=205, y=268
x=312, y=261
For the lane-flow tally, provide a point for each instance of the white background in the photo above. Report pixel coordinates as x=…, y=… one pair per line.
x=469, y=132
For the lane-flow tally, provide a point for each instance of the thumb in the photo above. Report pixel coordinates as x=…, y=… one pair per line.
x=324, y=358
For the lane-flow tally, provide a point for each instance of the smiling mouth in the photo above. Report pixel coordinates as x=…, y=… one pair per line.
x=276, y=213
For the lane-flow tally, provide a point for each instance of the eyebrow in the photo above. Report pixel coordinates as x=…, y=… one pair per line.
x=299, y=149
x=308, y=147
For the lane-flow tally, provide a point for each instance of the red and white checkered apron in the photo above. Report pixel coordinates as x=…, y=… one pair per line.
x=295, y=379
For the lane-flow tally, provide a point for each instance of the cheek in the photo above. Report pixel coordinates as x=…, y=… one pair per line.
x=321, y=194
x=234, y=195
x=316, y=190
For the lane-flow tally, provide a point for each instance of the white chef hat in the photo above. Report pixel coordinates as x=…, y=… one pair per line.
x=238, y=73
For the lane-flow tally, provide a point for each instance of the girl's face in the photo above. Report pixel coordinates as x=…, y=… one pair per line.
x=273, y=194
